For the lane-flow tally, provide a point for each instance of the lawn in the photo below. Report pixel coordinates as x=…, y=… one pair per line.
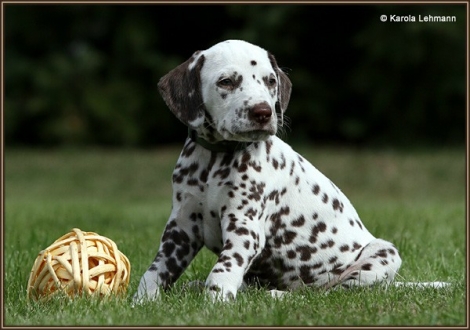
x=415, y=199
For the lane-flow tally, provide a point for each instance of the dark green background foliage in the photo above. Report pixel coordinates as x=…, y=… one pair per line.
x=87, y=74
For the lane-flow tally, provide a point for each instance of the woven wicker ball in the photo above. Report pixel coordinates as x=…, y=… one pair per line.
x=79, y=262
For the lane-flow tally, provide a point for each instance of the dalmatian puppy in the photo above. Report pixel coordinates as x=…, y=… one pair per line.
x=271, y=217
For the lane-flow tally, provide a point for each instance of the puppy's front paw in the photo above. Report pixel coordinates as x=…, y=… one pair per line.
x=217, y=293
x=148, y=290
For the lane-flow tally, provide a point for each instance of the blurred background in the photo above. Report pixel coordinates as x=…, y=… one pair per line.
x=86, y=74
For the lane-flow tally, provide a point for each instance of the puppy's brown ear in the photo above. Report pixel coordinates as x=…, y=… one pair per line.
x=181, y=91
x=284, y=88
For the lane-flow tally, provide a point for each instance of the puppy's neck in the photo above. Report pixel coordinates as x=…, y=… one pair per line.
x=220, y=146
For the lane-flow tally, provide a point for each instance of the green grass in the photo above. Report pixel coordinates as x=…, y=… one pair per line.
x=415, y=199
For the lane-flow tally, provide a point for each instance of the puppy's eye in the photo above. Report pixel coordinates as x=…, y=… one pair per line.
x=225, y=82
x=270, y=81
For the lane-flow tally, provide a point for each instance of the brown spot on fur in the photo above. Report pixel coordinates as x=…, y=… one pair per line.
x=316, y=189
x=299, y=222
x=344, y=248
x=335, y=204
x=289, y=236
x=366, y=267
x=319, y=228
x=246, y=244
x=305, y=274
x=291, y=254
x=242, y=231
x=359, y=224
x=239, y=259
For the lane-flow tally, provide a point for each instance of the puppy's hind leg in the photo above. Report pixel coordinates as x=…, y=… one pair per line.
x=377, y=262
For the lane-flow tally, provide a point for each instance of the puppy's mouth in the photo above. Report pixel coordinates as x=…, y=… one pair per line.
x=255, y=135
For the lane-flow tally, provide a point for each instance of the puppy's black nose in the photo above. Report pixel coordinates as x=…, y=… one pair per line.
x=261, y=113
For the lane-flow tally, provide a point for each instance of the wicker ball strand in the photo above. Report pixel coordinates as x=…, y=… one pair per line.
x=79, y=262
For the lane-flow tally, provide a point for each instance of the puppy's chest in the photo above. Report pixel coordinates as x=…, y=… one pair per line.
x=268, y=183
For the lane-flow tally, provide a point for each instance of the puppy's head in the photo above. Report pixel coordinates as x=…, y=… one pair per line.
x=231, y=91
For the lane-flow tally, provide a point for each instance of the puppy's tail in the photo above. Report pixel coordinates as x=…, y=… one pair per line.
x=418, y=285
